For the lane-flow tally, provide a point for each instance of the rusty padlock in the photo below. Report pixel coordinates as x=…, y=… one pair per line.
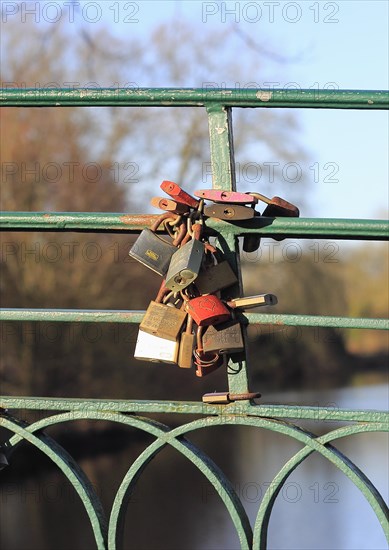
x=187, y=343
x=153, y=251
x=178, y=194
x=277, y=206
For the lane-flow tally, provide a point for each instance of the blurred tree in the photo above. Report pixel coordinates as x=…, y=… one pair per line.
x=326, y=278
x=365, y=280
x=285, y=357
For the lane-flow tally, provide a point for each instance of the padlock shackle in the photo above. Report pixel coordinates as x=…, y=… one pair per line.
x=259, y=197
x=289, y=209
x=161, y=218
x=210, y=248
x=197, y=229
x=201, y=358
x=162, y=292
x=199, y=338
x=182, y=233
x=205, y=366
x=189, y=324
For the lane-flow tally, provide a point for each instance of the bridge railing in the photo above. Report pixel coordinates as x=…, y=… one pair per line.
x=219, y=105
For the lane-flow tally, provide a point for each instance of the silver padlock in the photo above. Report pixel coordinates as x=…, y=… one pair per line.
x=153, y=348
x=185, y=265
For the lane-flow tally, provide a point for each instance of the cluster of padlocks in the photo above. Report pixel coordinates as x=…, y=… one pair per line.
x=188, y=324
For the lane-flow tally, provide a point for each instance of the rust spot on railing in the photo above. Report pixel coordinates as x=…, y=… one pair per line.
x=147, y=219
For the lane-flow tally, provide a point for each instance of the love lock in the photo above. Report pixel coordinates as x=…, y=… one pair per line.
x=153, y=251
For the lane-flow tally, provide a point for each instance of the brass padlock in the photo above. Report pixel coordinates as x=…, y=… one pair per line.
x=247, y=302
x=223, y=398
x=223, y=338
x=153, y=348
x=187, y=342
x=161, y=319
x=153, y=251
x=185, y=265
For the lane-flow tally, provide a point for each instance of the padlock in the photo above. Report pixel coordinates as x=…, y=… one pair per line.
x=169, y=205
x=251, y=242
x=161, y=319
x=207, y=310
x=205, y=362
x=215, y=276
x=277, y=206
x=223, y=398
x=248, y=302
x=232, y=197
x=153, y=348
x=223, y=338
x=178, y=194
x=153, y=251
x=229, y=212
x=187, y=343
x=185, y=263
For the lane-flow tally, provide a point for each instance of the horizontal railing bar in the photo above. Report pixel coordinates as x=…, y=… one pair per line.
x=121, y=316
x=334, y=228
x=194, y=97
x=192, y=407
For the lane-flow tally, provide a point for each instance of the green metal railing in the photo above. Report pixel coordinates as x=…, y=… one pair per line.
x=218, y=103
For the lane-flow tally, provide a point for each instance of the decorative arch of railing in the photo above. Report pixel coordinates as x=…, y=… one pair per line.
x=108, y=531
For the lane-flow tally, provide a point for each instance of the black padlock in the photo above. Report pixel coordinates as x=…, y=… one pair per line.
x=153, y=251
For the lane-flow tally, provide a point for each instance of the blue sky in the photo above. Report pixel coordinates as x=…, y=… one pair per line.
x=340, y=44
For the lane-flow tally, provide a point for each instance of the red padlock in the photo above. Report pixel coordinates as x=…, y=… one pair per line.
x=178, y=194
x=231, y=197
x=207, y=310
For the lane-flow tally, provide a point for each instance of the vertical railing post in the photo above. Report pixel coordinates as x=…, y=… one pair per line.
x=223, y=177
